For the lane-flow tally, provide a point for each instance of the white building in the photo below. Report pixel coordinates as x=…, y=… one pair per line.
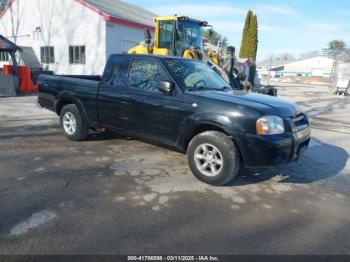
x=316, y=66
x=271, y=66
x=74, y=36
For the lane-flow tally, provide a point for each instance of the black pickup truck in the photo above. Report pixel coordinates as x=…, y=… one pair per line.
x=182, y=104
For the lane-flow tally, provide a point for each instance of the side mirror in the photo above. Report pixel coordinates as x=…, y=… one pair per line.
x=148, y=37
x=166, y=87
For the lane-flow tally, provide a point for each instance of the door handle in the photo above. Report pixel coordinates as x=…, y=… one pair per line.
x=124, y=97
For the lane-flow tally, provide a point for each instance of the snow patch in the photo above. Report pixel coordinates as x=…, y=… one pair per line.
x=33, y=221
x=39, y=169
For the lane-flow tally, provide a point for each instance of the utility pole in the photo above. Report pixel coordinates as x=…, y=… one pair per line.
x=333, y=76
x=270, y=71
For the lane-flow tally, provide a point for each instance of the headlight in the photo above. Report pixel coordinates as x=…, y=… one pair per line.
x=270, y=125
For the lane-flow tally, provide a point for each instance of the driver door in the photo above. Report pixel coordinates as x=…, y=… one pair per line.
x=151, y=113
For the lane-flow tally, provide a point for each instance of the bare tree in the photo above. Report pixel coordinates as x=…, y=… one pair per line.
x=336, y=50
x=310, y=54
x=347, y=56
x=286, y=56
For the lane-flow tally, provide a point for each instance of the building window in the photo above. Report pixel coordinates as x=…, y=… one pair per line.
x=47, y=55
x=4, y=56
x=77, y=54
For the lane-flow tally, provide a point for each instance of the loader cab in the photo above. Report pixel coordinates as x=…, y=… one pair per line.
x=176, y=34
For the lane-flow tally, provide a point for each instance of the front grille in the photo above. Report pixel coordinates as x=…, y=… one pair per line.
x=300, y=121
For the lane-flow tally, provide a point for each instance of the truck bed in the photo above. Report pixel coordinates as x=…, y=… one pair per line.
x=61, y=81
x=54, y=87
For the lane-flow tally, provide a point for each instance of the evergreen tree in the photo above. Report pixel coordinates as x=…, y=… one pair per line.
x=253, y=37
x=249, y=44
x=215, y=37
x=244, y=51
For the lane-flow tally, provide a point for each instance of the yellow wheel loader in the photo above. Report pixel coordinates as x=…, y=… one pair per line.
x=175, y=36
x=178, y=36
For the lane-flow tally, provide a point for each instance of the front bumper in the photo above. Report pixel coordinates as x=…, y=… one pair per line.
x=266, y=151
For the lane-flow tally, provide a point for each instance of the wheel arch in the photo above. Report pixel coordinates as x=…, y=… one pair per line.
x=202, y=123
x=200, y=128
x=63, y=101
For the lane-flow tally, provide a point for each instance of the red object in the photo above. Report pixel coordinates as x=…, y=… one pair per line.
x=7, y=69
x=25, y=80
x=105, y=16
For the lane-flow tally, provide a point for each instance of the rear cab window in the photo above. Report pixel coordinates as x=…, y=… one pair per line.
x=116, y=71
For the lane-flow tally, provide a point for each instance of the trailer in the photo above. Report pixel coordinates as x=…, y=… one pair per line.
x=342, y=86
x=9, y=80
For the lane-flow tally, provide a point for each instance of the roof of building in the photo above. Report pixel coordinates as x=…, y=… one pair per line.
x=275, y=62
x=115, y=11
x=122, y=10
x=321, y=60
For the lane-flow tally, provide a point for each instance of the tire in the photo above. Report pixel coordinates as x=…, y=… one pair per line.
x=70, y=116
x=228, y=155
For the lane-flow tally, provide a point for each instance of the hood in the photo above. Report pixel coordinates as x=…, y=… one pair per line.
x=280, y=107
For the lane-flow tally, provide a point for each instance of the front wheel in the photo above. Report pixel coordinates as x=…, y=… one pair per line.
x=213, y=158
x=73, y=123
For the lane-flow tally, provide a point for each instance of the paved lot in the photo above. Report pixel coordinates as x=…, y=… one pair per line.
x=111, y=195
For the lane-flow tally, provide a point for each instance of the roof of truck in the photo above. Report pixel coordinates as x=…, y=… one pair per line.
x=156, y=56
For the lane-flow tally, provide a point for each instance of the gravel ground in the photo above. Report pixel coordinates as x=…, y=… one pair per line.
x=112, y=195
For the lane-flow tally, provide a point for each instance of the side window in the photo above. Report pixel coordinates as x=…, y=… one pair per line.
x=114, y=76
x=116, y=72
x=166, y=29
x=146, y=74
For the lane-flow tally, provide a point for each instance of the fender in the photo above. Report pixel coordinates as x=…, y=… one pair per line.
x=222, y=122
x=69, y=96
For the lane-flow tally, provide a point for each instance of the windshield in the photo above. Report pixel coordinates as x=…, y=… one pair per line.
x=195, y=75
x=188, y=34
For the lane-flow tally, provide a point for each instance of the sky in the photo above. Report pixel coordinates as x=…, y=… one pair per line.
x=296, y=26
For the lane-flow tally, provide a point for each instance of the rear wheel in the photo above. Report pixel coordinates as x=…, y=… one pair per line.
x=213, y=158
x=73, y=123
